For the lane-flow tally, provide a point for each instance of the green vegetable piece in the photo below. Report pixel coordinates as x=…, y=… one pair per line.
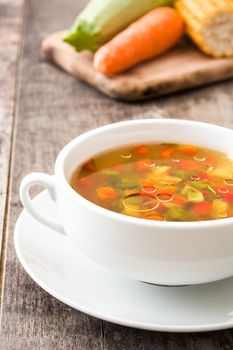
x=101, y=20
x=200, y=185
x=210, y=188
x=175, y=213
x=187, y=189
x=124, y=183
x=195, y=197
x=182, y=174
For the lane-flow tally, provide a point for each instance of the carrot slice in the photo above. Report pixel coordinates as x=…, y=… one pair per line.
x=189, y=150
x=167, y=152
x=166, y=190
x=149, y=36
x=142, y=164
x=86, y=181
x=154, y=216
x=106, y=192
x=140, y=150
x=228, y=197
x=178, y=199
x=187, y=164
x=220, y=187
x=202, y=208
x=203, y=176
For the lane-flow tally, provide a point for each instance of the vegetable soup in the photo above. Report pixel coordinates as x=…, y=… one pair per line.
x=159, y=181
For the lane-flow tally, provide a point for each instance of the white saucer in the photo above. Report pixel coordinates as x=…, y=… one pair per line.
x=60, y=269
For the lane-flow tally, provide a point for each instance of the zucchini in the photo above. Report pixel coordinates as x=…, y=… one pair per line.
x=101, y=20
x=195, y=197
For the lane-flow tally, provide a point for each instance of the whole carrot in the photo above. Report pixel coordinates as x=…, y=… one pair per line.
x=149, y=36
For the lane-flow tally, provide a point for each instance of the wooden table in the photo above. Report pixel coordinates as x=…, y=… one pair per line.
x=41, y=109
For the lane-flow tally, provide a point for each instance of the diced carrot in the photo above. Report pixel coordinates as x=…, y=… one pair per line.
x=154, y=216
x=220, y=187
x=217, y=186
x=187, y=164
x=178, y=199
x=202, y=208
x=90, y=165
x=228, y=197
x=106, y=192
x=189, y=150
x=141, y=164
x=167, y=152
x=203, y=176
x=166, y=190
x=149, y=36
x=224, y=190
x=86, y=181
x=140, y=150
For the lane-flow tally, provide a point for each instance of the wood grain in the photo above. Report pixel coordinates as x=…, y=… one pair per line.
x=182, y=67
x=53, y=108
x=10, y=27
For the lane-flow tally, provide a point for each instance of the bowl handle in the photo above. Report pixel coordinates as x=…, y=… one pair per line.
x=46, y=181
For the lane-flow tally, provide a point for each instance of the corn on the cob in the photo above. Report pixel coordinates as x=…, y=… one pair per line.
x=210, y=24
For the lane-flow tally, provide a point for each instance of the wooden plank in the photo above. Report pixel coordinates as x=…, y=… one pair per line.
x=42, y=115
x=180, y=68
x=53, y=108
x=10, y=26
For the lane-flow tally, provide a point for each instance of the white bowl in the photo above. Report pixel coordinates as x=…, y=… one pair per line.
x=167, y=253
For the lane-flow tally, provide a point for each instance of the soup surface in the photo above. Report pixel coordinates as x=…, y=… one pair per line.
x=165, y=182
